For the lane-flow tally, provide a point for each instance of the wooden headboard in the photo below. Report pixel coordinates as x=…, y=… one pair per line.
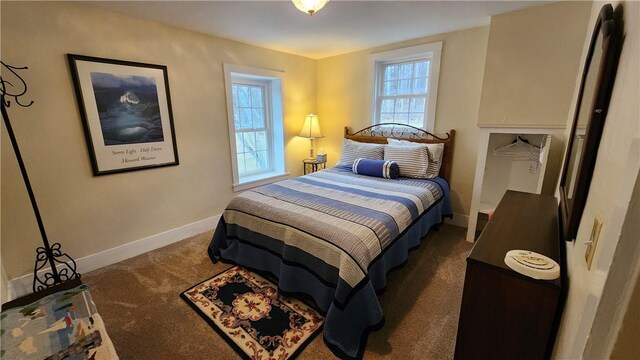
x=380, y=132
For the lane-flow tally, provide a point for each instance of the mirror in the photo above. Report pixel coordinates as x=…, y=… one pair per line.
x=583, y=119
x=591, y=110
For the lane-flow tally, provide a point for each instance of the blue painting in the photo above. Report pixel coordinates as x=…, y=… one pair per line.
x=128, y=108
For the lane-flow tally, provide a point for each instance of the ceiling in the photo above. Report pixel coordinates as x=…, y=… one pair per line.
x=340, y=27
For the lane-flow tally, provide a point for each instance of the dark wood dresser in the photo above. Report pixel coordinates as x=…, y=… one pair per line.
x=506, y=315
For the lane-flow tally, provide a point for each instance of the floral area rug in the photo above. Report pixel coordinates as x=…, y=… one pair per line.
x=249, y=313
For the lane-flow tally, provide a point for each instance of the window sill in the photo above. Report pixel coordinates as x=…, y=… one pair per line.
x=258, y=180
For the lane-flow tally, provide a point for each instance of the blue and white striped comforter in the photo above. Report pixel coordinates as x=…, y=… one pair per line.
x=333, y=223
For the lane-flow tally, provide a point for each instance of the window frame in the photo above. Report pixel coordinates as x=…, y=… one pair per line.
x=378, y=61
x=273, y=82
x=268, y=127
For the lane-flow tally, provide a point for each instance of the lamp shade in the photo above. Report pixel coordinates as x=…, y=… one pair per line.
x=311, y=127
x=309, y=6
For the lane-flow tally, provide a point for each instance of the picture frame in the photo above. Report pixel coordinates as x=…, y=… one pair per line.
x=126, y=113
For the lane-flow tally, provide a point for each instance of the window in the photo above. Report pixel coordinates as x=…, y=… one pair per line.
x=254, y=102
x=406, y=83
x=252, y=125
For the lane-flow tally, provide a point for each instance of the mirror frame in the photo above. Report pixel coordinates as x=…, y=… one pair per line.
x=609, y=26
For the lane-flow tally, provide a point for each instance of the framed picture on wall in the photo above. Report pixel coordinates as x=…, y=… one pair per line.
x=126, y=113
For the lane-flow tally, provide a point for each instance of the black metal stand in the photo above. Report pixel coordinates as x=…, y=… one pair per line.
x=46, y=254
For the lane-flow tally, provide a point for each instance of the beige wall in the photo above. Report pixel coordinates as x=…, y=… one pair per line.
x=594, y=297
x=627, y=346
x=345, y=97
x=532, y=60
x=89, y=214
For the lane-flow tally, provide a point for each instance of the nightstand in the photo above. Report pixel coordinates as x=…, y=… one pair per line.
x=313, y=165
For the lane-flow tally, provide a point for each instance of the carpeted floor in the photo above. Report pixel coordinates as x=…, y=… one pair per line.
x=146, y=319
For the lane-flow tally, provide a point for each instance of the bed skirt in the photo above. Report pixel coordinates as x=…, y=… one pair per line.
x=346, y=326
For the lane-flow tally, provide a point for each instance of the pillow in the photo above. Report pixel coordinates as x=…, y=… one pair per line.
x=412, y=160
x=392, y=141
x=378, y=168
x=352, y=150
x=436, y=152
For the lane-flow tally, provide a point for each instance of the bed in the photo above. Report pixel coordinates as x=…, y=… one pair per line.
x=332, y=236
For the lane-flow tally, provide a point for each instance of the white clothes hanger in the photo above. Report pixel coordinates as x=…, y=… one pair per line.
x=519, y=149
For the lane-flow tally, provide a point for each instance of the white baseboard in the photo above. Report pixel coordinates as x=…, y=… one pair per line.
x=23, y=285
x=459, y=220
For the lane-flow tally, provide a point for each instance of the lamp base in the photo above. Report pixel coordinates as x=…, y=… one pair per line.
x=311, y=156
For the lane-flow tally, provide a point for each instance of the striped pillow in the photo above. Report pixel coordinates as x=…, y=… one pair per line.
x=377, y=168
x=412, y=160
x=352, y=150
x=435, y=151
x=435, y=154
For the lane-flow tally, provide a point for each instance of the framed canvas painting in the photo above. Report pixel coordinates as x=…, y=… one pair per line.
x=126, y=113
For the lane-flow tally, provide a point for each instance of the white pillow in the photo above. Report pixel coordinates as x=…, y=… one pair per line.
x=398, y=142
x=352, y=150
x=413, y=161
x=435, y=152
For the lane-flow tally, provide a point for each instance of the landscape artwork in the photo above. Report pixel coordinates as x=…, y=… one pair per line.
x=125, y=108
x=128, y=108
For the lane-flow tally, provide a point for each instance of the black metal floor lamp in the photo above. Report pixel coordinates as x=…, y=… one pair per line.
x=63, y=267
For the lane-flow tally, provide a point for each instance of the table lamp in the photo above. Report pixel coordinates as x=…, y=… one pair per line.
x=311, y=130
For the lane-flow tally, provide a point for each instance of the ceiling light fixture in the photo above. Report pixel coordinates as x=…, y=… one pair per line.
x=309, y=6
